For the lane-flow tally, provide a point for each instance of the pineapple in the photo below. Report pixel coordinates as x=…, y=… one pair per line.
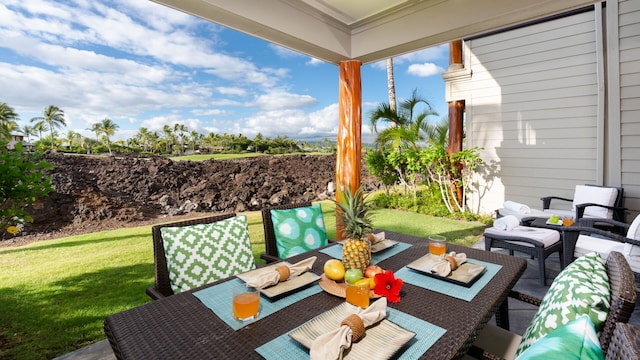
x=355, y=220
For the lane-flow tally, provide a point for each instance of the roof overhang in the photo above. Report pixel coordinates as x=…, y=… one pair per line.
x=368, y=30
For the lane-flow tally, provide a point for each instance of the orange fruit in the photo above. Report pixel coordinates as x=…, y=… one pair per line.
x=334, y=269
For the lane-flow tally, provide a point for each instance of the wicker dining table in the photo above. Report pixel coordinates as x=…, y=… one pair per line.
x=182, y=327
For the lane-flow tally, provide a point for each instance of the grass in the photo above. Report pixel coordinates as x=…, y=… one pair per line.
x=55, y=294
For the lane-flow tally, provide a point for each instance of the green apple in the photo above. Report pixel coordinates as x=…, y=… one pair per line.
x=353, y=275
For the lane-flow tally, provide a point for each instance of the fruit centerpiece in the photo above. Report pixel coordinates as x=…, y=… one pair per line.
x=354, y=219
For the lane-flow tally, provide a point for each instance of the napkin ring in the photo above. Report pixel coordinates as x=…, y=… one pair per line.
x=284, y=272
x=452, y=261
x=354, y=322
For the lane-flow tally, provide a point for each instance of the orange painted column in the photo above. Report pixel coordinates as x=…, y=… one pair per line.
x=349, y=142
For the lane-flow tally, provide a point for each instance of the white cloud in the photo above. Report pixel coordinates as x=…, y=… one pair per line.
x=279, y=99
x=294, y=123
x=314, y=62
x=208, y=112
x=424, y=70
x=235, y=91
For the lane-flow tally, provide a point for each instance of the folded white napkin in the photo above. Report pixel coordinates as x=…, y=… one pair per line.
x=332, y=344
x=443, y=267
x=374, y=238
x=506, y=223
x=515, y=206
x=269, y=278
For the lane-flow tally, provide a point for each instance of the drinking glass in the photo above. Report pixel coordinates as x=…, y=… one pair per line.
x=437, y=245
x=358, y=295
x=246, y=303
x=567, y=221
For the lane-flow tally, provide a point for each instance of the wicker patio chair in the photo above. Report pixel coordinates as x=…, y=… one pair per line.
x=625, y=343
x=162, y=286
x=493, y=342
x=271, y=249
x=581, y=206
x=593, y=238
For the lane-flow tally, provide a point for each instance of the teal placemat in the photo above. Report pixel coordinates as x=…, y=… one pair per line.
x=218, y=299
x=335, y=251
x=284, y=347
x=458, y=291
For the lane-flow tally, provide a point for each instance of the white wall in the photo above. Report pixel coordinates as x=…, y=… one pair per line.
x=629, y=115
x=536, y=102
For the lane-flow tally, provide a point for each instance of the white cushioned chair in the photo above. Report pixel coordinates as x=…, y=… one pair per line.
x=590, y=201
x=604, y=242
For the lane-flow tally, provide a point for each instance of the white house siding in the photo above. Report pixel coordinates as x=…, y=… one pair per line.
x=536, y=102
x=532, y=105
x=629, y=69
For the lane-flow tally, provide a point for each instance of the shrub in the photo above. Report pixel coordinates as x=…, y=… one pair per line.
x=21, y=183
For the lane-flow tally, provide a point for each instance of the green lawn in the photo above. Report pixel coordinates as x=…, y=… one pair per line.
x=55, y=294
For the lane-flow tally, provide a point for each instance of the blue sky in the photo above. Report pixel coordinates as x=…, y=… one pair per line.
x=141, y=64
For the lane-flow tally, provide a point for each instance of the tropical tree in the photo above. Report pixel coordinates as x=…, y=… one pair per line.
x=391, y=87
x=27, y=131
x=54, y=118
x=8, y=122
x=398, y=143
x=39, y=126
x=408, y=125
x=108, y=128
x=181, y=132
x=168, y=134
x=144, y=136
x=71, y=138
x=96, y=128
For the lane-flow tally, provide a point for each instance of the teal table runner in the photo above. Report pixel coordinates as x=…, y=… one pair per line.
x=335, y=251
x=284, y=347
x=458, y=291
x=218, y=299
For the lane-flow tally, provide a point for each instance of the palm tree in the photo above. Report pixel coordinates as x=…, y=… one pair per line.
x=167, y=136
x=108, y=128
x=96, y=128
x=144, y=136
x=39, y=126
x=391, y=87
x=27, y=131
x=8, y=122
x=180, y=130
x=54, y=118
x=71, y=137
x=408, y=128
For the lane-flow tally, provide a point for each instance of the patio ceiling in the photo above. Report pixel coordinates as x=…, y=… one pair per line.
x=367, y=30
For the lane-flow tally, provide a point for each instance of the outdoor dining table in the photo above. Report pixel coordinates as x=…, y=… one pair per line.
x=182, y=327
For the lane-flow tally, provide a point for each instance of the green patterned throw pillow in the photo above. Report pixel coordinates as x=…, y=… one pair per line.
x=574, y=340
x=582, y=288
x=201, y=254
x=298, y=230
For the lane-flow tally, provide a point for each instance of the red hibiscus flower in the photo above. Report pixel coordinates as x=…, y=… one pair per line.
x=388, y=286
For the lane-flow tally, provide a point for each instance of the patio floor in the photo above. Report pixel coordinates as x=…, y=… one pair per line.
x=520, y=314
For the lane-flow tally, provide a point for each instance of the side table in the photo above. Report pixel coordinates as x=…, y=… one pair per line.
x=569, y=236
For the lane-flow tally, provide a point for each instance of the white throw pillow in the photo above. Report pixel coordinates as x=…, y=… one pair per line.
x=598, y=195
x=633, y=233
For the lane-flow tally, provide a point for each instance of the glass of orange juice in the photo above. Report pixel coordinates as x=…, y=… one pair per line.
x=437, y=245
x=246, y=303
x=567, y=221
x=358, y=295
